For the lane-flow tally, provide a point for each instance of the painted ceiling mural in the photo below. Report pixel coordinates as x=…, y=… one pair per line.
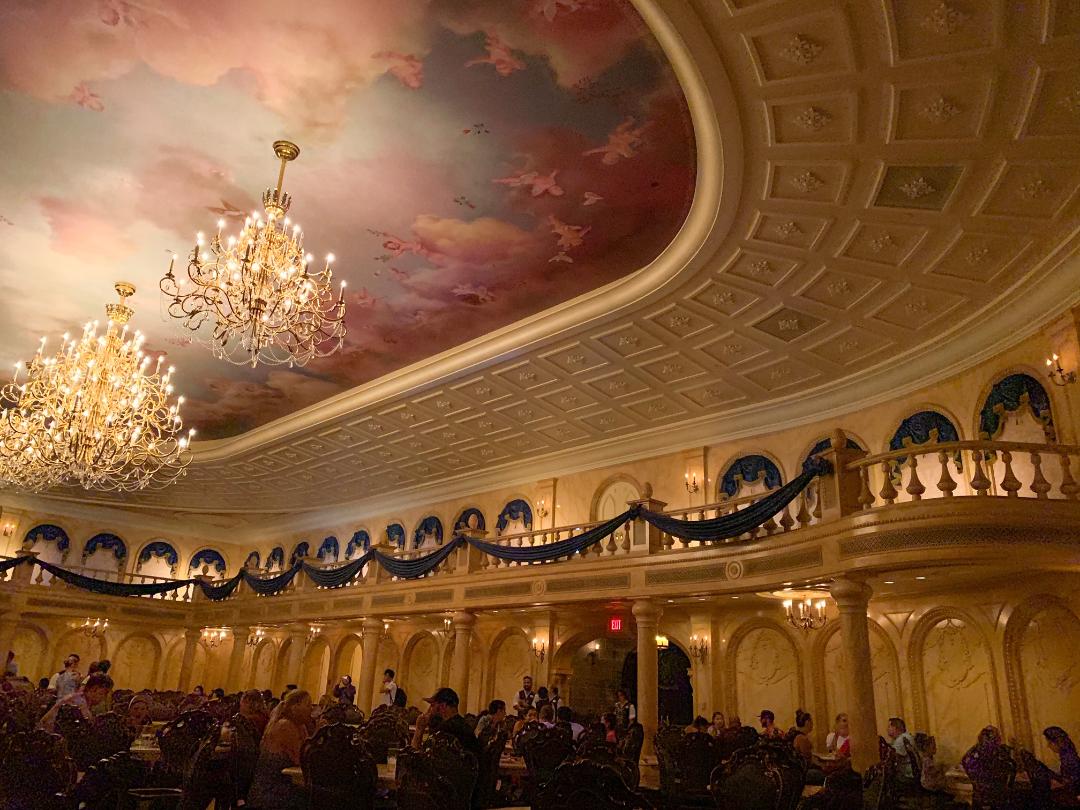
x=469, y=162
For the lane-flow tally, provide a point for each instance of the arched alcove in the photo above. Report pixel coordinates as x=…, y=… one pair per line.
x=158, y=558
x=428, y=533
x=764, y=672
x=135, y=662
x=106, y=553
x=831, y=688
x=328, y=550
x=610, y=498
x=420, y=667
x=510, y=660
x=315, y=670
x=749, y=474
x=210, y=559
x=31, y=647
x=262, y=665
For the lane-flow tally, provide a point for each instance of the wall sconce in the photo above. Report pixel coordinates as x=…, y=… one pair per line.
x=9, y=529
x=95, y=628
x=699, y=648
x=256, y=635
x=386, y=629
x=214, y=636
x=447, y=624
x=806, y=614
x=314, y=631
x=692, y=485
x=594, y=649
x=1058, y=375
x=541, y=509
x=539, y=649
x=662, y=641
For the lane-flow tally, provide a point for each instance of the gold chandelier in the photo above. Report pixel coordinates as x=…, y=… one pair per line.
x=94, y=413
x=254, y=292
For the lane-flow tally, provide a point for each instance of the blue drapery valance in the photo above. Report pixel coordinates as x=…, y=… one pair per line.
x=303, y=549
x=430, y=526
x=728, y=526
x=360, y=540
x=1008, y=395
x=463, y=521
x=517, y=509
x=822, y=446
x=920, y=428
x=328, y=548
x=749, y=469
x=50, y=533
x=107, y=541
x=252, y=560
x=276, y=558
x=208, y=557
x=159, y=548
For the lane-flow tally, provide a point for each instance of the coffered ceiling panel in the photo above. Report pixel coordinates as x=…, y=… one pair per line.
x=887, y=189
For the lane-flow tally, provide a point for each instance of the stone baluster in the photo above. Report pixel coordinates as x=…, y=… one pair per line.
x=1009, y=482
x=979, y=482
x=786, y=520
x=888, y=491
x=945, y=483
x=1069, y=487
x=866, y=497
x=627, y=528
x=1039, y=485
x=914, y=486
x=803, y=515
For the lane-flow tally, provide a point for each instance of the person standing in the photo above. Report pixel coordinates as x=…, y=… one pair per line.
x=625, y=713
x=66, y=681
x=389, y=688
x=525, y=696
x=84, y=698
x=345, y=692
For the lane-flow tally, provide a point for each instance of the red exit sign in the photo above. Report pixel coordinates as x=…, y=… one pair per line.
x=615, y=624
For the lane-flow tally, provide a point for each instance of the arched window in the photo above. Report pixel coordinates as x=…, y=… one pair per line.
x=49, y=533
x=252, y=560
x=303, y=549
x=395, y=533
x=748, y=475
x=358, y=544
x=515, y=517
x=104, y=552
x=470, y=519
x=207, y=558
x=429, y=532
x=826, y=444
x=1017, y=393
x=158, y=550
x=328, y=549
x=275, y=560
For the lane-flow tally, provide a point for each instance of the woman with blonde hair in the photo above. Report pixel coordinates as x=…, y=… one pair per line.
x=280, y=748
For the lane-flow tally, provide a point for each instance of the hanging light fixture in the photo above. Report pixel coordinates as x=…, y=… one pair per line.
x=95, y=413
x=94, y=628
x=805, y=614
x=214, y=636
x=254, y=292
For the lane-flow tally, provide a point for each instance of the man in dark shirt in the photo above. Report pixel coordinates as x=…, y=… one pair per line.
x=444, y=705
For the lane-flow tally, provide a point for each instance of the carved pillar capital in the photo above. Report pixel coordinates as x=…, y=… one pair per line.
x=850, y=593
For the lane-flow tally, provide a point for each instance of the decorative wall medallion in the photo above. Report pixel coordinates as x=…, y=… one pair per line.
x=733, y=570
x=375, y=427
x=714, y=393
x=1035, y=189
x=849, y=345
x=917, y=188
x=670, y=368
x=606, y=421
x=839, y=287
x=539, y=587
x=482, y=390
x=977, y=253
x=487, y=452
x=1070, y=102
x=615, y=386
x=721, y=297
x=944, y=19
x=485, y=424
x=564, y=433
x=657, y=408
x=525, y=413
x=879, y=243
x=801, y=50
x=407, y=416
x=781, y=373
x=917, y=307
x=761, y=267
x=575, y=359
x=628, y=340
x=678, y=320
x=449, y=435
x=442, y=404
x=527, y=376
x=731, y=348
x=807, y=182
x=568, y=400
x=813, y=119
x=789, y=324
x=939, y=110
x=786, y=229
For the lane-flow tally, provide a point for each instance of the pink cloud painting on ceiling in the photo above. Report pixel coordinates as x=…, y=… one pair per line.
x=470, y=163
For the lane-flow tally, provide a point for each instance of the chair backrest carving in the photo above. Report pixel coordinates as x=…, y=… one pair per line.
x=243, y=754
x=384, y=731
x=487, y=776
x=631, y=741
x=544, y=751
x=584, y=784
x=112, y=734
x=200, y=783
x=458, y=766
x=339, y=769
x=768, y=776
x=178, y=740
x=34, y=768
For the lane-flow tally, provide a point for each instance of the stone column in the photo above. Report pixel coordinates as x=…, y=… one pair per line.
x=369, y=643
x=459, y=664
x=234, y=679
x=647, y=615
x=852, y=597
x=187, y=663
x=297, y=643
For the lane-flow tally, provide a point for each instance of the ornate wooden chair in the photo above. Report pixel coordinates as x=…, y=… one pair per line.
x=34, y=769
x=584, y=784
x=243, y=754
x=339, y=769
x=593, y=735
x=78, y=734
x=665, y=740
x=686, y=764
x=631, y=741
x=609, y=757
x=384, y=731
x=843, y=790
x=343, y=713
x=112, y=735
x=203, y=778
x=419, y=785
x=880, y=781
x=458, y=767
x=106, y=783
x=178, y=740
x=528, y=731
x=768, y=776
x=544, y=751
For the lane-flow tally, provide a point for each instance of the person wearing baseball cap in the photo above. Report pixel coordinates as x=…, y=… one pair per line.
x=444, y=706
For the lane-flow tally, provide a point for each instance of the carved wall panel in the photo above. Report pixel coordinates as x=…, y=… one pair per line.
x=886, y=680
x=316, y=668
x=262, y=667
x=959, y=686
x=766, y=676
x=513, y=661
x=1050, y=662
x=135, y=663
x=420, y=674
x=31, y=653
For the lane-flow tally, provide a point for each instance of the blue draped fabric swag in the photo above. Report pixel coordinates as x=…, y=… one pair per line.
x=720, y=528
